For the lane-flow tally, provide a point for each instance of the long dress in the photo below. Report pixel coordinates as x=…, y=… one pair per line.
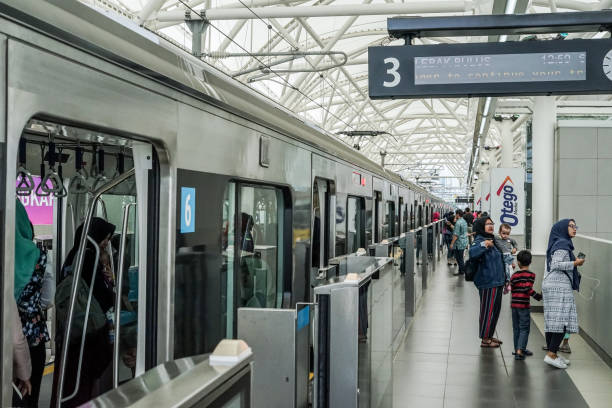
x=560, y=313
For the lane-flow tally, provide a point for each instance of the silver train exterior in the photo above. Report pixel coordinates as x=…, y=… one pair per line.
x=63, y=62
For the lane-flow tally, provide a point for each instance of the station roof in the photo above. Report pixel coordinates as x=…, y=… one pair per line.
x=311, y=57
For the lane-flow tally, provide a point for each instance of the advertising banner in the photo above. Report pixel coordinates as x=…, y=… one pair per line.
x=39, y=208
x=508, y=198
x=477, y=200
x=485, y=196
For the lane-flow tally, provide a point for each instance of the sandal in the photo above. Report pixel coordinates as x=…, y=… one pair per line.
x=489, y=344
x=497, y=340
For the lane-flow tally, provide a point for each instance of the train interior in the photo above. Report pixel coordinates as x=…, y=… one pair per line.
x=60, y=169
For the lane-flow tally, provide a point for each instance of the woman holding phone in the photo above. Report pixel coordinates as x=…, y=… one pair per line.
x=560, y=280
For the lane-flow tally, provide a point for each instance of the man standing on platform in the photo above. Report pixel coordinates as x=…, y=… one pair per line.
x=460, y=241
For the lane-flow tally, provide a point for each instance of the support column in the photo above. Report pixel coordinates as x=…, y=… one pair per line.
x=507, y=143
x=544, y=123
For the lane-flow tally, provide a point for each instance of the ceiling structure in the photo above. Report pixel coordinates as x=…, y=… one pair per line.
x=311, y=57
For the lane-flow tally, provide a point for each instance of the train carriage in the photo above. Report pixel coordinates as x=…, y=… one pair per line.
x=220, y=198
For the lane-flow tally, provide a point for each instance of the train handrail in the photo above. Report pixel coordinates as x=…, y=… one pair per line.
x=118, y=288
x=26, y=183
x=83, y=335
x=78, y=270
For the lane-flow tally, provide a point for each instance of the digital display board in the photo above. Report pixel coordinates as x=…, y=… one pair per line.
x=554, y=67
x=475, y=69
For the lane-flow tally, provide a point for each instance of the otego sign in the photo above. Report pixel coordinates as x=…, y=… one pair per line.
x=508, y=198
x=509, y=208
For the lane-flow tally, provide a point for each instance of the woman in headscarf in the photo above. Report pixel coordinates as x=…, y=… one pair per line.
x=560, y=314
x=489, y=279
x=30, y=263
x=447, y=236
x=97, y=352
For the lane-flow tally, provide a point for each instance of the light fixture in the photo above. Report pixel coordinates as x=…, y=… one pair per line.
x=503, y=38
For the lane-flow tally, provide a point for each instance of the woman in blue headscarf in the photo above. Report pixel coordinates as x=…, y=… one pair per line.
x=560, y=314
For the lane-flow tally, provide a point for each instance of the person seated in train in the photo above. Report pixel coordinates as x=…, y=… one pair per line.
x=98, y=348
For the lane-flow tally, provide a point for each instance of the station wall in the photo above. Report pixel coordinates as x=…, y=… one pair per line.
x=583, y=176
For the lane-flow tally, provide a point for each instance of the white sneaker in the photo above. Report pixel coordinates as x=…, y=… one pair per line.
x=565, y=360
x=557, y=362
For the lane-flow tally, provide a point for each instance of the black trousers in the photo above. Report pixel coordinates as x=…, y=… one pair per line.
x=459, y=257
x=553, y=341
x=37, y=356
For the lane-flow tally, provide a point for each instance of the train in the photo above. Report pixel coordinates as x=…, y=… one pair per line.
x=220, y=197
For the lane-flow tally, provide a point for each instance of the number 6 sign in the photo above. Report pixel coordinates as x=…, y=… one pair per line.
x=188, y=202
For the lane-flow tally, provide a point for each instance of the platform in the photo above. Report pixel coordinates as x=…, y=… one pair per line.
x=440, y=363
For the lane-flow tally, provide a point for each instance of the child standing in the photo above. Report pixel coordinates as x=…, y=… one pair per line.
x=522, y=289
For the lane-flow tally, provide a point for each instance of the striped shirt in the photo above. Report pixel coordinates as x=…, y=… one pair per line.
x=522, y=288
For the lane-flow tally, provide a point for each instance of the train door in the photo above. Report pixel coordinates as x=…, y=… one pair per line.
x=89, y=299
x=323, y=223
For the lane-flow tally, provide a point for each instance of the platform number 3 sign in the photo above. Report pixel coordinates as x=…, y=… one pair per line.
x=188, y=203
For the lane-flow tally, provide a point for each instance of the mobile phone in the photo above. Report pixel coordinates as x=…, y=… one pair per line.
x=581, y=255
x=17, y=391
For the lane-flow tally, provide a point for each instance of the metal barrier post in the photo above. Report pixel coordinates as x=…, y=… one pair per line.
x=409, y=273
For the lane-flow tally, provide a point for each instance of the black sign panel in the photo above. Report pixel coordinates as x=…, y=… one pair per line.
x=491, y=69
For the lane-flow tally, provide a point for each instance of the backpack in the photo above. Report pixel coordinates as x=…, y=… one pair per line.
x=471, y=269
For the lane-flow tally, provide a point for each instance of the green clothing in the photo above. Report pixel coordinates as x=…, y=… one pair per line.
x=461, y=232
x=26, y=251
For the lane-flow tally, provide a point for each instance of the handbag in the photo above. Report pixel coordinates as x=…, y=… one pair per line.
x=471, y=269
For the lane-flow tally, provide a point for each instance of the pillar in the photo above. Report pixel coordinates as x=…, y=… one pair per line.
x=507, y=143
x=543, y=143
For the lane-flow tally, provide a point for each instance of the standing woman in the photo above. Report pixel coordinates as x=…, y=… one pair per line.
x=447, y=235
x=489, y=279
x=560, y=314
x=30, y=265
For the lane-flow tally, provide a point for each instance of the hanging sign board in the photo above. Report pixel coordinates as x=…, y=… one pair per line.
x=491, y=69
x=508, y=198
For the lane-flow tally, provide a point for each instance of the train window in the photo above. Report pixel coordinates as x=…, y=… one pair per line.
x=355, y=227
x=420, y=216
x=377, y=216
x=412, y=226
x=321, y=203
x=260, y=279
x=388, y=226
x=340, y=225
x=368, y=221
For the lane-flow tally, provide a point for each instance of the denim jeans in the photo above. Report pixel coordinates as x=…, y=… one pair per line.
x=459, y=254
x=521, y=323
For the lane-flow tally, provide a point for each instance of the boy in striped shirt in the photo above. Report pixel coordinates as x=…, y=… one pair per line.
x=521, y=283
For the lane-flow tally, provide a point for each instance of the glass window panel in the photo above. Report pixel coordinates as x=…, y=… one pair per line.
x=356, y=236
x=260, y=281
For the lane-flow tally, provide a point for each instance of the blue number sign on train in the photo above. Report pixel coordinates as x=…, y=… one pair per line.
x=188, y=203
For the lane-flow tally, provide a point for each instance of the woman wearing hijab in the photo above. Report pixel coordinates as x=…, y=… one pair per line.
x=97, y=352
x=560, y=314
x=30, y=265
x=489, y=279
x=447, y=235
